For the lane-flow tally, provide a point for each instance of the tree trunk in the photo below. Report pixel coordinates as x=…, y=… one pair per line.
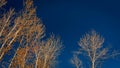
x=93, y=64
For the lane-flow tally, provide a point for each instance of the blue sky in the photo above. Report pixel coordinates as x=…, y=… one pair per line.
x=71, y=19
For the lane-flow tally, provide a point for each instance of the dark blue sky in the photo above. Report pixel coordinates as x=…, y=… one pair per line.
x=70, y=19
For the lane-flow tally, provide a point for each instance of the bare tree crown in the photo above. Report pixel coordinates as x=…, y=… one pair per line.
x=91, y=46
x=26, y=29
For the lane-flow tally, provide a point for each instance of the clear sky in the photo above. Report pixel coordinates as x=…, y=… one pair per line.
x=71, y=19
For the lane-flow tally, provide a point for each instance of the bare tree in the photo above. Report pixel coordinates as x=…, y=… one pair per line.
x=13, y=28
x=91, y=45
x=47, y=52
x=26, y=29
x=43, y=54
x=76, y=61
